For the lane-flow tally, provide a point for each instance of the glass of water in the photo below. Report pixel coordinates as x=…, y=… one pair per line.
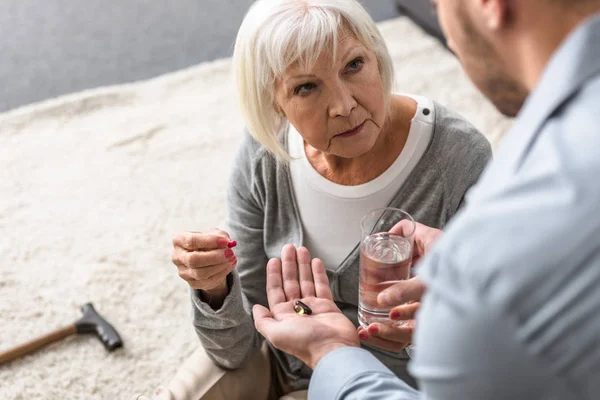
x=385, y=259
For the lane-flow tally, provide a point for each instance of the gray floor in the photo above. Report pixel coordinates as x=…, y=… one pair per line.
x=53, y=47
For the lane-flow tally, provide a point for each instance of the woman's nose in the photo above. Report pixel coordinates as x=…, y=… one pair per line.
x=342, y=103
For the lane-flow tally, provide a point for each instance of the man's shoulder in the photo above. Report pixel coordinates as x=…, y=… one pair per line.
x=584, y=106
x=572, y=133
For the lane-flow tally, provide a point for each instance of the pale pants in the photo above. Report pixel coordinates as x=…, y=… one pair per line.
x=199, y=378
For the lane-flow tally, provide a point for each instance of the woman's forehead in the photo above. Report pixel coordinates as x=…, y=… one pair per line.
x=347, y=43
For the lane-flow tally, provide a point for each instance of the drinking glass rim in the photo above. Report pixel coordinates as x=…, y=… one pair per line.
x=382, y=210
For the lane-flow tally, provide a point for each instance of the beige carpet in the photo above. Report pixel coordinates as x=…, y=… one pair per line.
x=95, y=184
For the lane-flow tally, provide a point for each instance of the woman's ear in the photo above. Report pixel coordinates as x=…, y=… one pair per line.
x=278, y=109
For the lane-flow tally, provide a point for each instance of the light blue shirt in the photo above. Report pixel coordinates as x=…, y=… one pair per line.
x=512, y=310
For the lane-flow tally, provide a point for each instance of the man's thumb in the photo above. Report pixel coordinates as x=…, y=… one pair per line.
x=262, y=318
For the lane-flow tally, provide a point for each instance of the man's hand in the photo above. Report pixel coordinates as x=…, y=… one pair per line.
x=307, y=337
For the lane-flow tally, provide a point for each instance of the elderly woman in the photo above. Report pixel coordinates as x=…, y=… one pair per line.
x=327, y=141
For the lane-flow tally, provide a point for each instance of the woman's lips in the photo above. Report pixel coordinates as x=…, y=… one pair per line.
x=352, y=132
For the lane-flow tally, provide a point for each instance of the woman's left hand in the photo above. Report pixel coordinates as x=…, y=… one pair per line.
x=388, y=337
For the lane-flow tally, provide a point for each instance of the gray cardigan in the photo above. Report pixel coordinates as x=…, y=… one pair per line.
x=263, y=217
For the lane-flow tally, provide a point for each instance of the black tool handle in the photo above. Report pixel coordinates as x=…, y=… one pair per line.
x=92, y=322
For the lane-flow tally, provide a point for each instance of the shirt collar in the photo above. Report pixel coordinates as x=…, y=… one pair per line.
x=576, y=61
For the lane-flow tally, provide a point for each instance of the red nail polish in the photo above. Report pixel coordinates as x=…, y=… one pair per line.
x=232, y=244
x=363, y=336
x=373, y=330
x=228, y=253
x=394, y=315
x=222, y=242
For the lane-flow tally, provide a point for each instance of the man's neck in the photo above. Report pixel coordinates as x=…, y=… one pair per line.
x=537, y=38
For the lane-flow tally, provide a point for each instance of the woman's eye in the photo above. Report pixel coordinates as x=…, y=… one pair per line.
x=355, y=64
x=304, y=89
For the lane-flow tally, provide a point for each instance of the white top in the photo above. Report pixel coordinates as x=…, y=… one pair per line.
x=331, y=213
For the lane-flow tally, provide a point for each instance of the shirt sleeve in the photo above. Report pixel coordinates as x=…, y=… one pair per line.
x=464, y=349
x=354, y=373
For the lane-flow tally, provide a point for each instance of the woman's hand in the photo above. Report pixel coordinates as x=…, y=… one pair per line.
x=204, y=259
x=307, y=337
x=388, y=337
x=405, y=295
x=408, y=294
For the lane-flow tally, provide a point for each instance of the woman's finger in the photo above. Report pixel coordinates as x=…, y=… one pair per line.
x=203, y=259
x=275, y=293
x=404, y=312
x=401, y=334
x=372, y=340
x=206, y=283
x=289, y=272
x=208, y=273
x=322, y=289
x=402, y=292
x=177, y=257
x=307, y=285
x=394, y=347
x=193, y=241
x=363, y=334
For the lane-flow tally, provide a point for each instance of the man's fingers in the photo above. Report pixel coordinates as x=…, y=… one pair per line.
x=192, y=241
x=307, y=285
x=263, y=319
x=402, y=292
x=289, y=272
x=404, y=312
x=275, y=293
x=322, y=289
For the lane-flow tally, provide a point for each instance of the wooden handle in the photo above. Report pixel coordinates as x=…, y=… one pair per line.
x=38, y=343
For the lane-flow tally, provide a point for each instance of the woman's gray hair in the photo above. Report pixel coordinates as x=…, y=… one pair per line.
x=278, y=33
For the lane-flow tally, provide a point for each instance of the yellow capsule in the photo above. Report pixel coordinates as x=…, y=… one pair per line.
x=300, y=308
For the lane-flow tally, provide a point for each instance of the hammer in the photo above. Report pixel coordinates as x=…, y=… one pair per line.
x=91, y=322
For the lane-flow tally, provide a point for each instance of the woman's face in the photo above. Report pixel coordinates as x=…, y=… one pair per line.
x=337, y=106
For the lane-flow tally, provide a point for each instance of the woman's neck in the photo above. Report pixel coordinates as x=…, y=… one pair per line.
x=366, y=167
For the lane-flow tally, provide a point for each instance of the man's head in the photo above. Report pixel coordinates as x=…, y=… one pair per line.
x=504, y=45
